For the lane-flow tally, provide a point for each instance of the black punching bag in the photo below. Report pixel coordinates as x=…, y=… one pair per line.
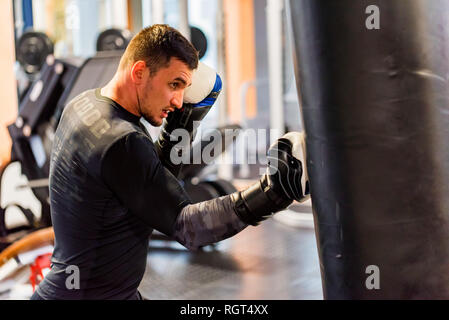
x=376, y=115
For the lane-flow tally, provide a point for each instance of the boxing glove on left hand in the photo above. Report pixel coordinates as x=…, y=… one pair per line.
x=198, y=99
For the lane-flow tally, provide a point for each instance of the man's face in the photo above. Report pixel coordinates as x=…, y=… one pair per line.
x=164, y=91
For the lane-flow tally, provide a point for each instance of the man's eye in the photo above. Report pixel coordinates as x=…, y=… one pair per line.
x=174, y=85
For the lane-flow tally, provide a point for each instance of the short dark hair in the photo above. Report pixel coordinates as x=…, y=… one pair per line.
x=157, y=44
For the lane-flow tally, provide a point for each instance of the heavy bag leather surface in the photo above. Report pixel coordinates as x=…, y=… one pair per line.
x=376, y=115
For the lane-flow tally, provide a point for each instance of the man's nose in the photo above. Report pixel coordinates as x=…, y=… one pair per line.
x=177, y=98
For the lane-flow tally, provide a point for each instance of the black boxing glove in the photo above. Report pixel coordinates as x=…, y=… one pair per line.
x=198, y=99
x=283, y=182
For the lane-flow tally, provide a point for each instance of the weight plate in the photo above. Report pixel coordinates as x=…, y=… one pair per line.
x=113, y=39
x=199, y=40
x=32, y=50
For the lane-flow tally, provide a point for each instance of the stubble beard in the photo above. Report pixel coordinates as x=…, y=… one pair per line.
x=152, y=121
x=146, y=115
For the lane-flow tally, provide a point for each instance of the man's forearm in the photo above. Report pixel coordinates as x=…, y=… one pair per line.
x=207, y=222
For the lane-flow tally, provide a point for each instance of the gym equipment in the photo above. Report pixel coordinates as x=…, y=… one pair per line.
x=32, y=132
x=39, y=113
x=193, y=169
x=199, y=187
x=200, y=192
x=41, y=264
x=28, y=214
x=198, y=40
x=32, y=50
x=113, y=39
x=208, y=189
x=376, y=117
x=198, y=183
x=22, y=252
x=32, y=241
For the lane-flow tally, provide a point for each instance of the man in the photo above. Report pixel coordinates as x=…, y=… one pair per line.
x=110, y=186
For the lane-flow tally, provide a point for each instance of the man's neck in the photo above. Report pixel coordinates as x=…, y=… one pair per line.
x=121, y=93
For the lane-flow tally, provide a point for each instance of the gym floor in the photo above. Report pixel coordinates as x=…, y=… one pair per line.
x=275, y=260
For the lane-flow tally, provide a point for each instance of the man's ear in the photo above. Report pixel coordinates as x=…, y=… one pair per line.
x=138, y=71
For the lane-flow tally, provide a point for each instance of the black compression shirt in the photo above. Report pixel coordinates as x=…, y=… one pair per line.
x=108, y=191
